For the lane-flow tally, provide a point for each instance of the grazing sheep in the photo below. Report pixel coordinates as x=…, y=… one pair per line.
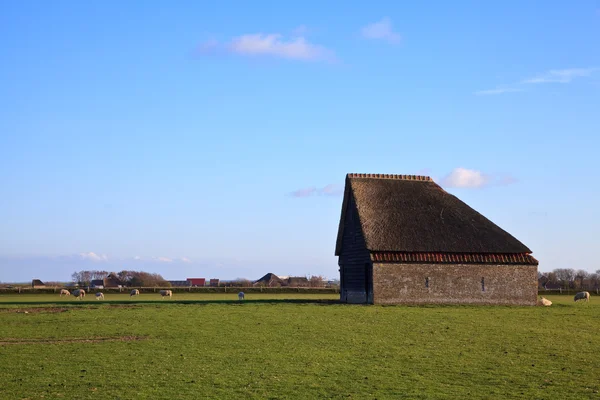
x=134, y=292
x=65, y=292
x=582, y=296
x=241, y=296
x=546, y=302
x=99, y=296
x=79, y=294
x=165, y=293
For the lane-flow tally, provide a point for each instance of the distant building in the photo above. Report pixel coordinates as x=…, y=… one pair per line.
x=553, y=286
x=297, y=281
x=196, y=281
x=37, y=284
x=214, y=282
x=112, y=281
x=97, y=284
x=270, y=280
x=179, y=283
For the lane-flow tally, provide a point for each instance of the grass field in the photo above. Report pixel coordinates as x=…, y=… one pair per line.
x=154, y=297
x=280, y=350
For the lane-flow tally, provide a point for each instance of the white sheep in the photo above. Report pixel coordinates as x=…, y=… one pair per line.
x=79, y=294
x=546, y=302
x=241, y=296
x=64, y=292
x=99, y=296
x=166, y=293
x=134, y=292
x=582, y=296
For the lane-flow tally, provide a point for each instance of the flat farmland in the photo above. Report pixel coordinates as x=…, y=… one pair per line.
x=153, y=297
x=294, y=349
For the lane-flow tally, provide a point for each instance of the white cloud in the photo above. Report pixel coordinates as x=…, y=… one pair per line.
x=163, y=259
x=552, y=76
x=331, y=189
x=137, y=258
x=272, y=45
x=305, y=192
x=275, y=45
x=185, y=260
x=465, y=178
x=561, y=75
x=382, y=30
x=91, y=256
x=497, y=91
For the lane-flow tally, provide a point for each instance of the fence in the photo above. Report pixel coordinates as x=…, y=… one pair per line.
x=191, y=289
x=567, y=291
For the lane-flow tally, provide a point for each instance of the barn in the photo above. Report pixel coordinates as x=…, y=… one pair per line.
x=403, y=239
x=112, y=281
x=97, y=283
x=269, y=280
x=37, y=284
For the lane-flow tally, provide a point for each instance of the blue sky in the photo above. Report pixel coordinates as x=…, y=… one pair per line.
x=212, y=141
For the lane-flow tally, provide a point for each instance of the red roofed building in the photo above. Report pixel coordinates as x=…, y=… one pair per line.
x=196, y=281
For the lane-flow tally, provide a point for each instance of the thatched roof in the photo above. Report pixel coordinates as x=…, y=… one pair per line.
x=297, y=281
x=408, y=213
x=112, y=281
x=270, y=279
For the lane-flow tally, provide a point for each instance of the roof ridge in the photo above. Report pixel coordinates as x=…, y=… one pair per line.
x=421, y=178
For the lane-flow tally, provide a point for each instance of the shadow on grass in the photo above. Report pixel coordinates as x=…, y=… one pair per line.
x=198, y=302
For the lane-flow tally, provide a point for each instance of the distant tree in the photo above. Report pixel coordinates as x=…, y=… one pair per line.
x=99, y=274
x=540, y=275
x=142, y=279
x=565, y=276
x=82, y=278
x=316, y=281
x=594, y=280
x=580, y=277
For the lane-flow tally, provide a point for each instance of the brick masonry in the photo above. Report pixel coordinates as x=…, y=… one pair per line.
x=400, y=283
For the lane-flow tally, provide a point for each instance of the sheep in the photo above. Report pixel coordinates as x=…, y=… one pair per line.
x=241, y=296
x=582, y=296
x=134, y=292
x=65, y=292
x=165, y=293
x=546, y=302
x=79, y=294
x=99, y=296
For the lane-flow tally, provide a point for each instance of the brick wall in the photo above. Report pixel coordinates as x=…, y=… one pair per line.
x=454, y=284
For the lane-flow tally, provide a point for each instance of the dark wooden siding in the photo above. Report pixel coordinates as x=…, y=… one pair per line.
x=354, y=250
x=354, y=261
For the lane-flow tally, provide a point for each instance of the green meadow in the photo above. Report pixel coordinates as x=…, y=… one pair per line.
x=286, y=347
